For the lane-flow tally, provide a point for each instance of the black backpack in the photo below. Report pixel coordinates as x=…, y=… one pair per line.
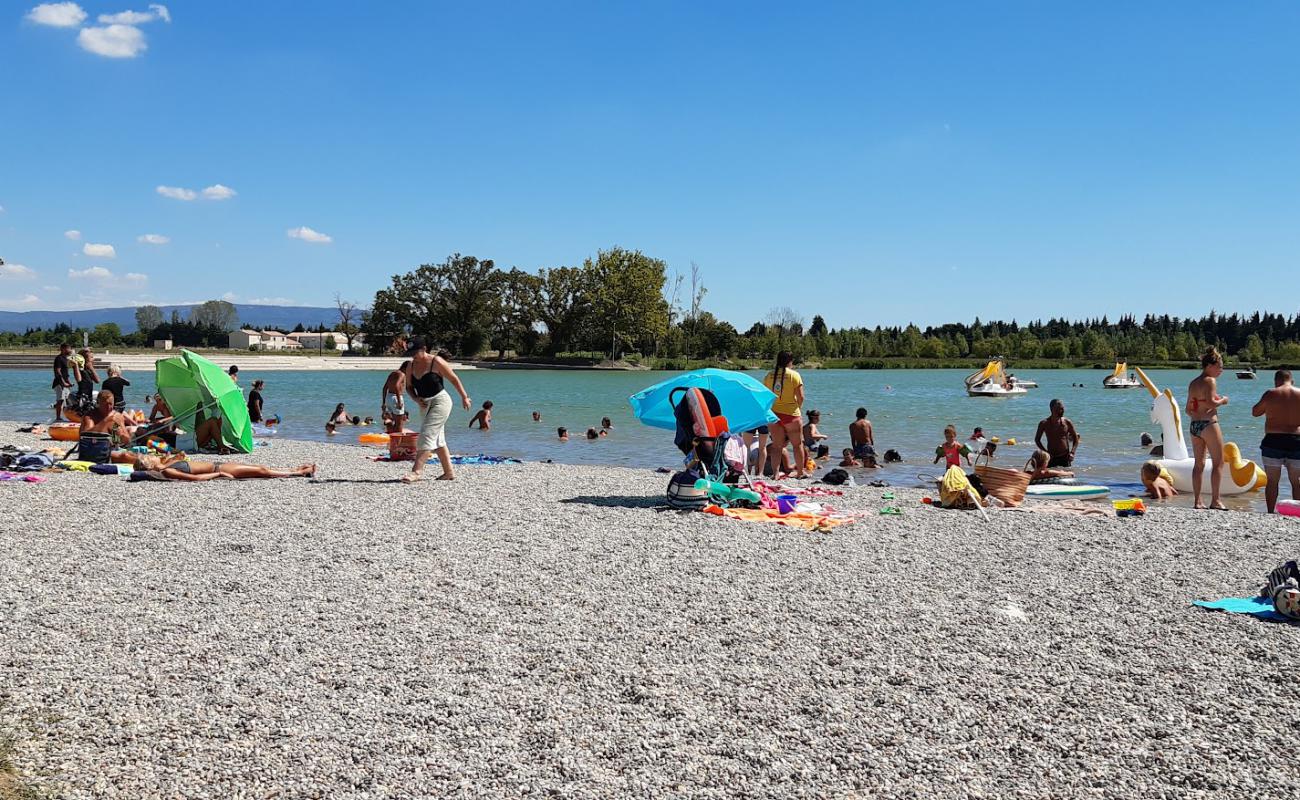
x=1282, y=587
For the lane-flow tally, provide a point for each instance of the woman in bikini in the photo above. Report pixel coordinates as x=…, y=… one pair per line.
x=184, y=470
x=1203, y=401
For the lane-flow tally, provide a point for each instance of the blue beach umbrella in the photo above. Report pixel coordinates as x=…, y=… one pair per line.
x=746, y=403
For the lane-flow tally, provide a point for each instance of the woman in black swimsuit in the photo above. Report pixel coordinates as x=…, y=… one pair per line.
x=426, y=376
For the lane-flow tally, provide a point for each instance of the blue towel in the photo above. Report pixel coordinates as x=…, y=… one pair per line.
x=482, y=459
x=1259, y=607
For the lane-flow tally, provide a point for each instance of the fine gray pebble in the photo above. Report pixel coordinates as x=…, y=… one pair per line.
x=549, y=630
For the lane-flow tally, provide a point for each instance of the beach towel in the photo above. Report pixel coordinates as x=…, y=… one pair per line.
x=481, y=459
x=75, y=466
x=34, y=462
x=807, y=522
x=1258, y=607
x=14, y=476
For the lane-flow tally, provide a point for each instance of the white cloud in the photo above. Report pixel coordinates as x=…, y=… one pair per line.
x=2, y=209
x=51, y=289
x=16, y=271
x=99, y=250
x=26, y=301
x=152, y=238
x=230, y=297
x=113, y=41
x=176, y=192
x=58, y=15
x=90, y=273
x=218, y=192
x=272, y=301
x=155, y=12
x=104, y=277
x=73, y=235
x=309, y=235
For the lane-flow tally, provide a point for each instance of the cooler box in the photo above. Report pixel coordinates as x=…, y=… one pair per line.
x=401, y=446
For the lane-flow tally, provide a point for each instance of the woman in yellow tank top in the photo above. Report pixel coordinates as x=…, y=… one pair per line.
x=787, y=385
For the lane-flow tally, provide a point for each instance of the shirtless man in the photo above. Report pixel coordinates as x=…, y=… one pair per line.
x=861, y=436
x=1062, y=439
x=104, y=419
x=1280, y=408
x=391, y=402
x=1203, y=401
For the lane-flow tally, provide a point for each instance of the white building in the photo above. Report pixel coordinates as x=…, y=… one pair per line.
x=311, y=340
x=250, y=339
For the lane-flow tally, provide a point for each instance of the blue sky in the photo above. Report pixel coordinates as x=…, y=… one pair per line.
x=872, y=162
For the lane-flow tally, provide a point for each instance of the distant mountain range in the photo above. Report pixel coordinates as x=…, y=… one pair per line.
x=282, y=317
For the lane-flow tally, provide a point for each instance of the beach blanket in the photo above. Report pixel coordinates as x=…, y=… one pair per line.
x=75, y=466
x=34, y=462
x=28, y=478
x=477, y=460
x=1258, y=607
x=802, y=521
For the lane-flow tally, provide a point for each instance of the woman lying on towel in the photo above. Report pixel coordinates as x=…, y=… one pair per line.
x=208, y=470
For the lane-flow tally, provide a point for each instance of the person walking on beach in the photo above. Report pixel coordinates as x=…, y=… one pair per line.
x=861, y=436
x=425, y=379
x=1280, y=408
x=1062, y=438
x=62, y=384
x=255, y=401
x=787, y=385
x=1203, y=401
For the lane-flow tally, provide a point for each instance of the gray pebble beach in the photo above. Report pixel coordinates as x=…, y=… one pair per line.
x=551, y=630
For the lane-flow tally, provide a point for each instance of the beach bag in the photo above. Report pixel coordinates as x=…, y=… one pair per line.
x=1007, y=485
x=682, y=493
x=1282, y=587
x=955, y=490
x=95, y=447
x=836, y=477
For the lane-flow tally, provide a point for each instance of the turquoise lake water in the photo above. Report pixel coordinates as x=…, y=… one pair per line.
x=908, y=408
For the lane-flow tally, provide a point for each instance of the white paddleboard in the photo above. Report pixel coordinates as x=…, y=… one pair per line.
x=1066, y=491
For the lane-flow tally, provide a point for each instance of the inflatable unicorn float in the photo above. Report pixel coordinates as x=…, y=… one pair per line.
x=1240, y=475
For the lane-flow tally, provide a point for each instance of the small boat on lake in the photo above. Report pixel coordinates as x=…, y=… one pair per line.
x=1246, y=373
x=1028, y=383
x=1121, y=378
x=993, y=381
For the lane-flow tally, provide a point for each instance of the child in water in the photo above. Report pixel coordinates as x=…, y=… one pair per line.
x=563, y=433
x=951, y=451
x=1157, y=481
x=1039, y=471
x=849, y=460
x=483, y=417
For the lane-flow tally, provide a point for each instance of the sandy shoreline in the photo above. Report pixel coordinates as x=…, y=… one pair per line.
x=548, y=629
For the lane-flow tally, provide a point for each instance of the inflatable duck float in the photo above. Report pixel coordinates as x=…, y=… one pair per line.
x=1240, y=475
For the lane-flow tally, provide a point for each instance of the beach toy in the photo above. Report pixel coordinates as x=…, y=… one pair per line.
x=1288, y=508
x=65, y=431
x=401, y=446
x=1129, y=508
x=929, y=501
x=727, y=492
x=1011, y=442
x=785, y=503
x=373, y=438
x=159, y=445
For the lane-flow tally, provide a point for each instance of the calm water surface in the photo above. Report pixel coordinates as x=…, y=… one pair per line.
x=909, y=409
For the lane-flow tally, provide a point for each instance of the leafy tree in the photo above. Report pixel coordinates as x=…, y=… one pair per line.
x=563, y=306
x=147, y=318
x=515, y=313
x=106, y=334
x=627, y=302
x=215, y=314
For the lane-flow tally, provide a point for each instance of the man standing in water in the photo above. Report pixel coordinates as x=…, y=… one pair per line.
x=1062, y=438
x=391, y=402
x=1280, y=408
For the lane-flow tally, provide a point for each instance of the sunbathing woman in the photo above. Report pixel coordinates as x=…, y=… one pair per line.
x=209, y=470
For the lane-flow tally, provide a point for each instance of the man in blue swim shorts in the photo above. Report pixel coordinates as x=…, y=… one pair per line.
x=1280, y=408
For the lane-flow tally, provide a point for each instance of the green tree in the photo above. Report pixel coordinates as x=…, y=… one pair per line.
x=106, y=334
x=627, y=300
x=564, y=306
x=1254, y=349
x=147, y=318
x=217, y=314
x=514, y=313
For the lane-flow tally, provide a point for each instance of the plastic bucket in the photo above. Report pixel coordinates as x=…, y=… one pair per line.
x=401, y=446
x=95, y=448
x=785, y=503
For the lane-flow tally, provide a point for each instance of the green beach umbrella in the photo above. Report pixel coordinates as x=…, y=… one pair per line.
x=191, y=382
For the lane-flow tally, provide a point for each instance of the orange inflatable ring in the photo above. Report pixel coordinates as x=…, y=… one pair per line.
x=65, y=432
x=373, y=438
